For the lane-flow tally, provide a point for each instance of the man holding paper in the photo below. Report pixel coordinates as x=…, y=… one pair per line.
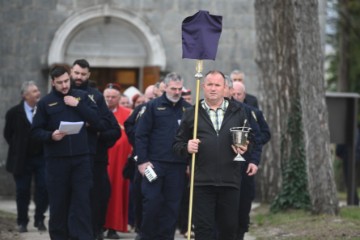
x=68, y=166
x=99, y=143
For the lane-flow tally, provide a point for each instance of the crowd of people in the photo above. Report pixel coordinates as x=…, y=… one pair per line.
x=127, y=166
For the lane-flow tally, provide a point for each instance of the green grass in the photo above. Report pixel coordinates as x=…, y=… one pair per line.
x=298, y=224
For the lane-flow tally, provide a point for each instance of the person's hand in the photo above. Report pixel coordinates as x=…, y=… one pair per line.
x=252, y=169
x=71, y=101
x=57, y=135
x=241, y=150
x=143, y=166
x=193, y=146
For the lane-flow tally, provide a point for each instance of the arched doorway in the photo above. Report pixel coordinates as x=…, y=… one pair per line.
x=118, y=44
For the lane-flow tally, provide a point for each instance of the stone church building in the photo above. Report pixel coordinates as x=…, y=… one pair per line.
x=131, y=42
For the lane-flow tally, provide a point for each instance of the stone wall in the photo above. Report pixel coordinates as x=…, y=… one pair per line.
x=27, y=29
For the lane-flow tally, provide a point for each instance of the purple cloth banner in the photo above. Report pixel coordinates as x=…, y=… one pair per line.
x=200, y=35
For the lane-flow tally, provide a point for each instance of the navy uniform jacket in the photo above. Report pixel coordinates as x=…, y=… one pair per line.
x=101, y=139
x=51, y=110
x=264, y=127
x=156, y=130
x=253, y=154
x=131, y=123
x=251, y=100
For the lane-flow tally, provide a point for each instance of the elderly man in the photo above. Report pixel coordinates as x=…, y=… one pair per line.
x=238, y=76
x=117, y=212
x=248, y=182
x=25, y=158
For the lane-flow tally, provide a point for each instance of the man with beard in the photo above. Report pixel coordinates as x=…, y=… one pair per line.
x=68, y=165
x=99, y=142
x=154, y=136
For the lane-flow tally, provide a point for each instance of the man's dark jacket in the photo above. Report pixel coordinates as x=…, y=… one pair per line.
x=214, y=165
x=51, y=110
x=156, y=130
x=17, y=135
x=101, y=141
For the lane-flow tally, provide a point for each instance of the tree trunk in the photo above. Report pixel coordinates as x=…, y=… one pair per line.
x=269, y=175
x=291, y=76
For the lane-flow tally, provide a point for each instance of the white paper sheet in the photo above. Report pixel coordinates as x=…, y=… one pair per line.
x=70, y=127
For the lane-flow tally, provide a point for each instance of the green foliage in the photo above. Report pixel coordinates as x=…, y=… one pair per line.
x=344, y=17
x=294, y=193
x=300, y=224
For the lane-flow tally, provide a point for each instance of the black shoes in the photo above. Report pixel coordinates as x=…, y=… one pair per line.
x=99, y=235
x=112, y=234
x=22, y=228
x=240, y=236
x=40, y=226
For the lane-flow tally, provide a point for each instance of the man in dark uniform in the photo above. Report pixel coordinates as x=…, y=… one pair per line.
x=99, y=142
x=247, y=191
x=68, y=165
x=154, y=136
x=131, y=170
x=25, y=158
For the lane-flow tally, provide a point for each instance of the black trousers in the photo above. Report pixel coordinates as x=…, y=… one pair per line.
x=184, y=208
x=100, y=194
x=69, y=180
x=215, y=212
x=35, y=167
x=138, y=198
x=161, y=201
x=247, y=195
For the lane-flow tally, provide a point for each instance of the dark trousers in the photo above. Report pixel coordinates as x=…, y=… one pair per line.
x=100, y=194
x=161, y=201
x=69, y=180
x=215, y=212
x=184, y=208
x=36, y=168
x=138, y=199
x=247, y=195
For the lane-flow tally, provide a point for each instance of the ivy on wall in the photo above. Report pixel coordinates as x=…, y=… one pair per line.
x=294, y=192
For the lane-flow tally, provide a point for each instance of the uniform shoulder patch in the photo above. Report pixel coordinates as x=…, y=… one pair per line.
x=52, y=104
x=254, y=115
x=161, y=108
x=91, y=96
x=141, y=112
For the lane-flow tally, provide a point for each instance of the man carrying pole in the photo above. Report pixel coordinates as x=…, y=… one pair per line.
x=214, y=185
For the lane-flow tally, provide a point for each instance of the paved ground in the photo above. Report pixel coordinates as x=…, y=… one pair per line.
x=32, y=234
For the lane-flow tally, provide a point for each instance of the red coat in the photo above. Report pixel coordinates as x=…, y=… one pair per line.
x=117, y=211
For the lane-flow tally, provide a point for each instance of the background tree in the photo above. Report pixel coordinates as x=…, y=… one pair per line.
x=344, y=37
x=292, y=84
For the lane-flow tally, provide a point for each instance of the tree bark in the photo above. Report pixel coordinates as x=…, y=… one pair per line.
x=269, y=174
x=292, y=82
